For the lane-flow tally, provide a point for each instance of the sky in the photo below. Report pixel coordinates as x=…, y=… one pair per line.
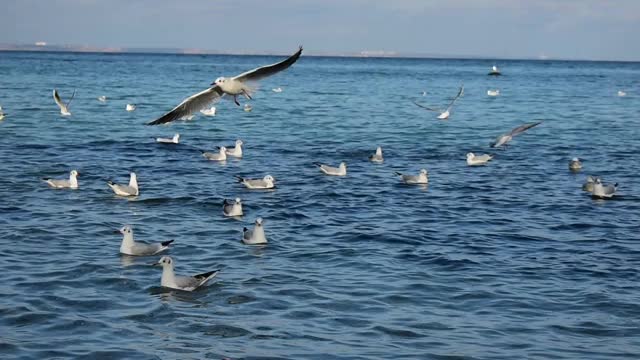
x=560, y=29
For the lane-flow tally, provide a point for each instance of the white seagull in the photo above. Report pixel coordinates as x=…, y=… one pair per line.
x=1, y=114
x=72, y=183
x=130, y=107
x=130, y=247
x=575, y=164
x=502, y=140
x=237, y=150
x=174, y=140
x=341, y=170
x=473, y=159
x=209, y=112
x=126, y=190
x=221, y=155
x=255, y=236
x=247, y=108
x=64, y=108
x=185, y=283
x=444, y=114
x=493, y=92
x=277, y=90
x=232, y=208
x=232, y=86
x=420, y=179
x=621, y=93
x=102, y=98
x=377, y=157
x=601, y=191
x=494, y=71
x=267, y=182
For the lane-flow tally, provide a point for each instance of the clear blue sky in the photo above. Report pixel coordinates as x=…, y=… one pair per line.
x=585, y=29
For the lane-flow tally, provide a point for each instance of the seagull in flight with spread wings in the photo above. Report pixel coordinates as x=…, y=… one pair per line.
x=232, y=86
x=444, y=114
x=64, y=108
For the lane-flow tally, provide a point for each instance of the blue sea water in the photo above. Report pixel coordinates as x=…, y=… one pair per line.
x=507, y=261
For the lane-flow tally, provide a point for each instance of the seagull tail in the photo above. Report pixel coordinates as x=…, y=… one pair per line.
x=317, y=164
x=204, y=277
x=240, y=178
x=397, y=173
x=244, y=229
x=166, y=243
x=45, y=179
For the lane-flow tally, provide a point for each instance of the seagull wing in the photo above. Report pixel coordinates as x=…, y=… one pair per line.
x=190, y=105
x=72, y=96
x=523, y=128
x=268, y=70
x=460, y=92
x=57, y=99
x=427, y=108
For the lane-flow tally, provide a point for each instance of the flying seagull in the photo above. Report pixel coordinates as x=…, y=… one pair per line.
x=233, y=86
x=502, y=140
x=64, y=108
x=444, y=114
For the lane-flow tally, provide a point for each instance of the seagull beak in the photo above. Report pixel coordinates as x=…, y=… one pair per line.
x=117, y=232
x=155, y=264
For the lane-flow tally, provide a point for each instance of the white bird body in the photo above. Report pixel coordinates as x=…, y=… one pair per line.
x=341, y=170
x=1, y=113
x=493, y=92
x=603, y=191
x=102, y=98
x=621, y=93
x=131, y=247
x=473, y=159
x=174, y=140
x=221, y=155
x=185, y=283
x=255, y=236
x=237, y=150
x=377, y=157
x=64, y=108
x=575, y=164
x=126, y=190
x=209, y=112
x=277, y=90
x=420, y=179
x=71, y=183
x=268, y=182
x=232, y=208
x=130, y=107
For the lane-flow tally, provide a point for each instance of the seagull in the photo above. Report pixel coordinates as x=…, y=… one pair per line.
x=232, y=208
x=102, y=98
x=247, y=108
x=130, y=247
x=188, y=117
x=209, y=112
x=126, y=190
x=220, y=156
x=341, y=170
x=502, y=140
x=237, y=150
x=493, y=92
x=131, y=107
x=444, y=114
x=186, y=283
x=268, y=182
x=588, y=185
x=233, y=86
x=174, y=140
x=575, y=164
x=601, y=191
x=72, y=183
x=473, y=159
x=494, y=71
x=255, y=236
x=64, y=108
x=621, y=93
x=421, y=178
x=377, y=157
x=1, y=113
x=277, y=90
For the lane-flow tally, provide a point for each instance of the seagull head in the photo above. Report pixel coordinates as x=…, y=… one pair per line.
x=239, y=142
x=343, y=165
x=125, y=230
x=575, y=159
x=74, y=173
x=269, y=178
x=424, y=172
x=165, y=261
x=598, y=181
x=219, y=81
x=471, y=155
x=259, y=221
x=238, y=201
x=222, y=149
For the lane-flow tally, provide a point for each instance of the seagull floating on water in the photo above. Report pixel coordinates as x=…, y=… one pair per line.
x=221, y=155
x=277, y=90
x=131, y=107
x=341, y=170
x=131, y=247
x=232, y=208
x=621, y=93
x=185, y=283
x=102, y=98
x=267, y=182
x=575, y=164
x=255, y=236
x=233, y=86
x=473, y=159
x=377, y=157
x=247, y=108
x=174, y=140
x=502, y=140
x=493, y=92
x=2, y=114
x=420, y=179
x=494, y=71
x=209, y=112
x=236, y=151
x=126, y=190
x=72, y=183
x=601, y=191
x=64, y=108
x=444, y=114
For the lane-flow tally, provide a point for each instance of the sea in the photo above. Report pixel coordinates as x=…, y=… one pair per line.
x=512, y=260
